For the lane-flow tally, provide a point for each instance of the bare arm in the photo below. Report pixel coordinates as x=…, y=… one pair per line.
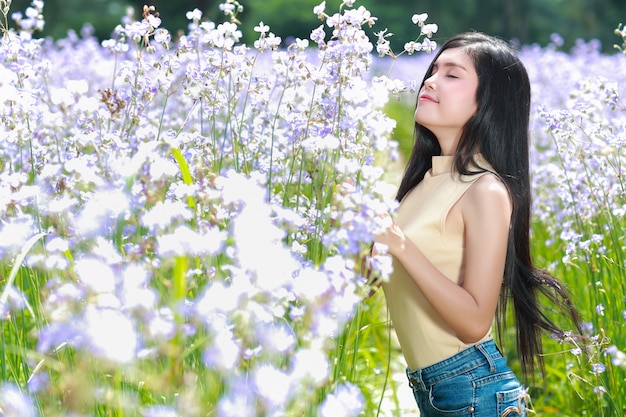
x=469, y=308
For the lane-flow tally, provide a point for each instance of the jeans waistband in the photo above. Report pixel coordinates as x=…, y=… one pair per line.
x=479, y=354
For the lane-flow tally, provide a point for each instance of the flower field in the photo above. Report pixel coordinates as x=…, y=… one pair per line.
x=186, y=220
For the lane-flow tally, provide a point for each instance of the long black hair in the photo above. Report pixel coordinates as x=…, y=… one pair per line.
x=499, y=131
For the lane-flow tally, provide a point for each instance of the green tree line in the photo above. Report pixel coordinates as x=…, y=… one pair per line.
x=527, y=21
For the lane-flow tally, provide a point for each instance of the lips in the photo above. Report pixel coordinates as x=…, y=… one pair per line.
x=426, y=97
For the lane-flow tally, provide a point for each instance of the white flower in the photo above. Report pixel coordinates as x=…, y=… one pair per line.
x=57, y=244
x=430, y=29
x=162, y=326
x=383, y=47
x=236, y=187
x=419, y=19
x=162, y=36
x=272, y=385
x=257, y=241
x=262, y=28
x=162, y=168
x=273, y=41
x=110, y=334
x=15, y=403
x=346, y=401
x=15, y=232
x=78, y=87
x=279, y=338
x=219, y=299
x=96, y=274
x=102, y=209
x=185, y=241
x=160, y=411
x=302, y=44
x=135, y=291
x=238, y=402
x=316, y=144
x=428, y=46
x=165, y=213
x=224, y=353
x=310, y=284
x=382, y=44
x=311, y=364
x=194, y=15
x=227, y=8
x=33, y=15
x=153, y=21
x=334, y=20
x=319, y=9
x=106, y=251
x=318, y=35
x=411, y=47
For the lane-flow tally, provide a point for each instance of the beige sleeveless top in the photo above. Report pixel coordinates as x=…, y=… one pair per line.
x=424, y=337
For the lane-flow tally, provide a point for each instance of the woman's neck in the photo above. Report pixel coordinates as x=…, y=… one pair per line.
x=448, y=144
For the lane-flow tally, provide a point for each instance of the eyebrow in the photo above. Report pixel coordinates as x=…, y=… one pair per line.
x=449, y=64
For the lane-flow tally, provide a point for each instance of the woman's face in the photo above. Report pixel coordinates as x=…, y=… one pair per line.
x=448, y=98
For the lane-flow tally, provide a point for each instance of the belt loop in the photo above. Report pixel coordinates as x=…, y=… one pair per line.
x=492, y=364
x=416, y=381
x=421, y=379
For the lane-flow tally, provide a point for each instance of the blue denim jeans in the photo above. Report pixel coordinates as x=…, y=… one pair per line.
x=475, y=382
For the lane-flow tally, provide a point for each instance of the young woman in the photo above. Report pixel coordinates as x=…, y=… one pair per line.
x=460, y=240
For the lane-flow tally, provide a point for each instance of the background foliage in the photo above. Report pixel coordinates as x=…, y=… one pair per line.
x=529, y=21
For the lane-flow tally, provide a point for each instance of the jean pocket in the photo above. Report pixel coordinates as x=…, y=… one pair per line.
x=453, y=396
x=511, y=403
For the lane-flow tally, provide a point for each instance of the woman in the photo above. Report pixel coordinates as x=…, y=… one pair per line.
x=460, y=240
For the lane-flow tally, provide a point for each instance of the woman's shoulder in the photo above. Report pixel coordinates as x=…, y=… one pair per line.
x=487, y=193
x=486, y=208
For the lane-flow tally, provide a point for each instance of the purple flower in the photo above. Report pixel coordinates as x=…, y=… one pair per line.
x=240, y=402
x=277, y=393
x=600, y=309
x=600, y=389
x=224, y=353
x=14, y=403
x=160, y=411
x=56, y=335
x=346, y=401
x=109, y=334
x=318, y=35
x=598, y=368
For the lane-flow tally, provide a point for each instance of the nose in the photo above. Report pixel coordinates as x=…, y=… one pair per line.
x=430, y=83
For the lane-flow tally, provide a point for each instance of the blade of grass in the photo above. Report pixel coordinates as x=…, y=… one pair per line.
x=16, y=266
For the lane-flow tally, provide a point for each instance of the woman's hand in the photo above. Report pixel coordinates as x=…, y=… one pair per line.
x=393, y=237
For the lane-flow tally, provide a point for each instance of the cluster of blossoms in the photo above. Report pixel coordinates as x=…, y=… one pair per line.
x=191, y=217
x=32, y=19
x=196, y=214
x=578, y=130
x=422, y=43
x=579, y=136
